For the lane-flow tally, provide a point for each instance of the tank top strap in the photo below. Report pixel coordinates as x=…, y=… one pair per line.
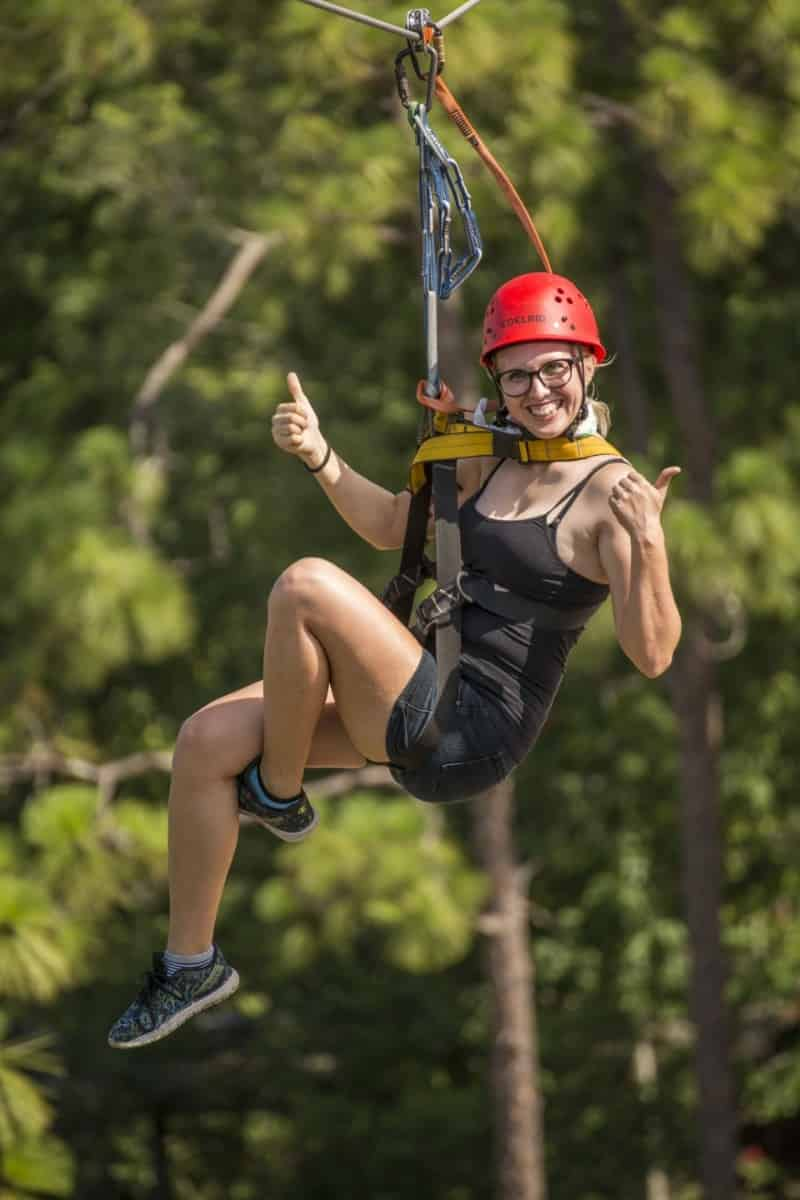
x=569, y=498
x=476, y=495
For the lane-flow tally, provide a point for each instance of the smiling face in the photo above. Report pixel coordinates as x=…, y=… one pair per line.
x=545, y=410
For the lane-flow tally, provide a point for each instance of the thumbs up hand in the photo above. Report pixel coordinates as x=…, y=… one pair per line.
x=637, y=504
x=295, y=426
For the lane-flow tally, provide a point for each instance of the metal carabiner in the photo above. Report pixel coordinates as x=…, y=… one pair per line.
x=442, y=185
x=427, y=77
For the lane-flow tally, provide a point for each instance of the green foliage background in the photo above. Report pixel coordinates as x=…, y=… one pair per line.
x=140, y=138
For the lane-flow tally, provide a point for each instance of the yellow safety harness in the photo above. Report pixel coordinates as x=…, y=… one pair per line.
x=463, y=440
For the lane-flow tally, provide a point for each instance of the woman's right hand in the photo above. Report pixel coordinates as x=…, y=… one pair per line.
x=295, y=426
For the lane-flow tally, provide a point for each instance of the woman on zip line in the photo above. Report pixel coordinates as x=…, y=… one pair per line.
x=345, y=682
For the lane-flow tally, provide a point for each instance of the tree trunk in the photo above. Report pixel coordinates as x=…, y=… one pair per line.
x=162, y=1188
x=698, y=707
x=517, y=1104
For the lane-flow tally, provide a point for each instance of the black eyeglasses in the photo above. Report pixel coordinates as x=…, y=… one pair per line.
x=518, y=382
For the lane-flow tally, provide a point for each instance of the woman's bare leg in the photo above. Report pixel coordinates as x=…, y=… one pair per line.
x=322, y=625
x=213, y=746
x=325, y=628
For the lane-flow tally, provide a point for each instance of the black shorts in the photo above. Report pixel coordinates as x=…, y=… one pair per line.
x=473, y=753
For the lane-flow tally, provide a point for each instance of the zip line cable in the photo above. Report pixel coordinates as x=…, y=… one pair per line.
x=456, y=13
x=354, y=16
x=377, y=24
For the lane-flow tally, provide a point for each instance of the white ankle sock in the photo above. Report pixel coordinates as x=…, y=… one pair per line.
x=179, y=962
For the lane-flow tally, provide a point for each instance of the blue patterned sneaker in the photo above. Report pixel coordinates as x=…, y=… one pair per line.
x=165, y=1002
x=289, y=820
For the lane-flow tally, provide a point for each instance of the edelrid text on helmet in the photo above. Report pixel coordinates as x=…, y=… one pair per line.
x=557, y=309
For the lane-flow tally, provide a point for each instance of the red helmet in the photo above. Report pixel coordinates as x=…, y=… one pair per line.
x=539, y=308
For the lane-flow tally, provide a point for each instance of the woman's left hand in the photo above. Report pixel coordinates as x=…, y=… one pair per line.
x=637, y=504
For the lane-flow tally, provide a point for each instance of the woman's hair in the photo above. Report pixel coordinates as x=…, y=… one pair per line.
x=602, y=415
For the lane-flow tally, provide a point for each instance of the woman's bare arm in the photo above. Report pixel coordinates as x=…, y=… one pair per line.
x=372, y=511
x=376, y=514
x=634, y=557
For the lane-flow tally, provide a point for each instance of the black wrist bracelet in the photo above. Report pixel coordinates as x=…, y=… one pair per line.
x=324, y=463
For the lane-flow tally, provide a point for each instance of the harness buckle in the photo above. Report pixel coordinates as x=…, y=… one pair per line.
x=437, y=609
x=406, y=583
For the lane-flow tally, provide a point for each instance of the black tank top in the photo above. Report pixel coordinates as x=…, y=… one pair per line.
x=518, y=664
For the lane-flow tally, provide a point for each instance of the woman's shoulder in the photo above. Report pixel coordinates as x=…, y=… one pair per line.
x=602, y=474
x=587, y=477
x=597, y=489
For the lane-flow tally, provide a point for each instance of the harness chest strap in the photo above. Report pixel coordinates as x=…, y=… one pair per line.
x=474, y=588
x=467, y=441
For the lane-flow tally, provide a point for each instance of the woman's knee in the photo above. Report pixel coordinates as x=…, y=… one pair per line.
x=204, y=744
x=303, y=585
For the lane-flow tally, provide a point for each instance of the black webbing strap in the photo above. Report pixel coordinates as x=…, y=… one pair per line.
x=506, y=445
x=398, y=595
x=444, y=486
x=448, y=569
x=472, y=588
x=480, y=590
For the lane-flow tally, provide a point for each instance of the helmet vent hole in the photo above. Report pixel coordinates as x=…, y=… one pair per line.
x=572, y=326
x=569, y=299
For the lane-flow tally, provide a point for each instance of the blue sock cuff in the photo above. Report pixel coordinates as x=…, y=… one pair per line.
x=254, y=780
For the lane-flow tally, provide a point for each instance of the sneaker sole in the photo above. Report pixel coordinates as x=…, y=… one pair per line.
x=279, y=833
x=177, y=1019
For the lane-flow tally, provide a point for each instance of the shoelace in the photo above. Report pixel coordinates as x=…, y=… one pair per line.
x=154, y=983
